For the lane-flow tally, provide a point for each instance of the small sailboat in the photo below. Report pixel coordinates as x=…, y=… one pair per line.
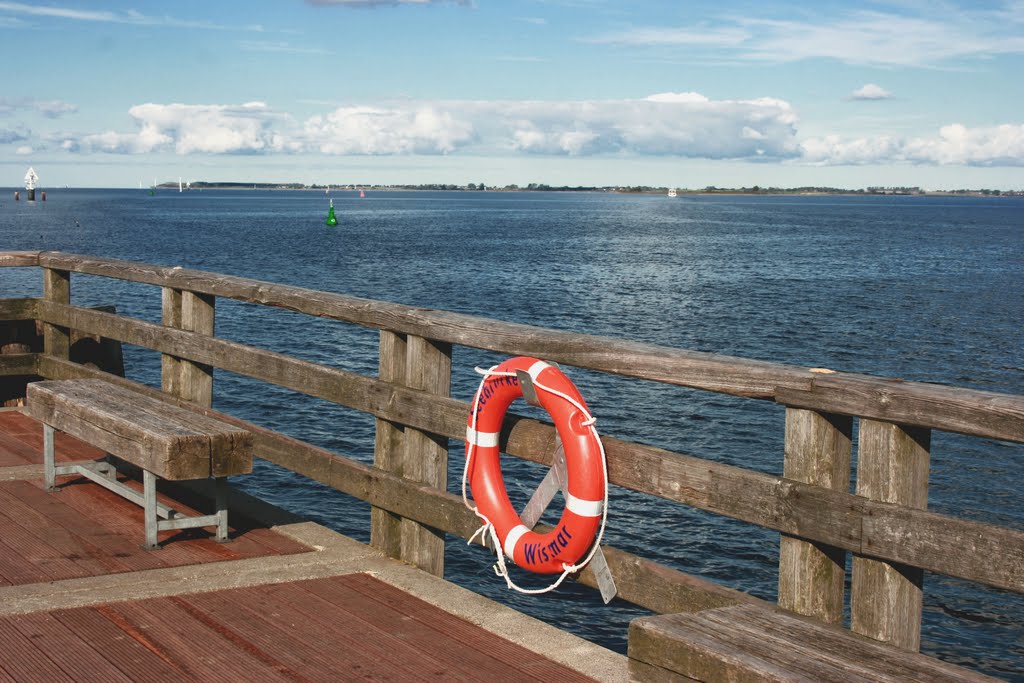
x=672, y=192
x=361, y=195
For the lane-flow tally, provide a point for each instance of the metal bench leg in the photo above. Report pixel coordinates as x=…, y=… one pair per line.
x=220, y=488
x=49, y=475
x=149, y=509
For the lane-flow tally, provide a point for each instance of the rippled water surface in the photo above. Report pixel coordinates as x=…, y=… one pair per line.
x=921, y=288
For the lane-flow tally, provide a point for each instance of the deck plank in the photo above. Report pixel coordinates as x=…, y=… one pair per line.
x=294, y=631
x=25, y=662
x=264, y=638
x=85, y=529
x=455, y=628
x=318, y=623
x=286, y=634
x=37, y=519
x=49, y=562
x=464, y=646
x=122, y=649
x=349, y=627
x=190, y=645
x=132, y=556
x=68, y=651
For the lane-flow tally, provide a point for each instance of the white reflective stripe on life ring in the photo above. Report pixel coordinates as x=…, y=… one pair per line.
x=513, y=537
x=583, y=508
x=482, y=439
x=537, y=368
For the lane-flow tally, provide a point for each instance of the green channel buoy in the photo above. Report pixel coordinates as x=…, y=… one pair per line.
x=331, y=218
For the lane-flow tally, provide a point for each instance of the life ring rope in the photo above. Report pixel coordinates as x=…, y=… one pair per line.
x=585, y=507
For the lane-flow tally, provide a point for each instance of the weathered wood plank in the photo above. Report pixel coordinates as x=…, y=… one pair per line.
x=17, y=309
x=197, y=315
x=17, y=259
x=17, y=364
x=951, y=409
x=886, y=599
x=164, y=439
x=428, y=369
x=56, y=289
x=640, y=581
x=754, y=643
x=972, y=412
x=170, y=366
x=812, y=513
x=389, y=446
x=686, y=368
x=812, y=575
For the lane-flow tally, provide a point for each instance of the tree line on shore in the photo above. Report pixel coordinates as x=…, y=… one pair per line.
x=626, y=189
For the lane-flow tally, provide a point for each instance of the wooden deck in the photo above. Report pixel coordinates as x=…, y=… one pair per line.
x=65, y=559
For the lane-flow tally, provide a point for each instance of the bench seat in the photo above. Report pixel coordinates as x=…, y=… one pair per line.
x=163, y=440
x=171, y=442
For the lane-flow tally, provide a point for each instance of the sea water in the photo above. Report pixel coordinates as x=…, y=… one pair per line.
x=921, y=288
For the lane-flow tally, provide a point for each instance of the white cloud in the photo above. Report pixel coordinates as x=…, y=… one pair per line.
x=133, y=17
x=280, y=47
x=665, y=124
x=193, y=128
x=9, y=135
x=24, y=150
x=723, y=36
x=414, y=129
x=48, y=108
x=931, y=38
x=870, y=91
x=954, y=144
x=670, y=124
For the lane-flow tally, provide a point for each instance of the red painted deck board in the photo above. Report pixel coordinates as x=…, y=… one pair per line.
x=86, y=530
x=285, y=632
x=352, y=628
x=69, y=652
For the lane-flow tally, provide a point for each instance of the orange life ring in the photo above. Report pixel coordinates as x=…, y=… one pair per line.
x=552, y=552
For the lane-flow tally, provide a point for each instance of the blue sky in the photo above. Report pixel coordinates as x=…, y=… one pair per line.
x=594, y=92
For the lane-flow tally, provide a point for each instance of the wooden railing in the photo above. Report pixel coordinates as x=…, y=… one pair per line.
x=885, y=525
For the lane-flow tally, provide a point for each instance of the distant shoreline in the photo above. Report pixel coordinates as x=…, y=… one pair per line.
x=639, y=189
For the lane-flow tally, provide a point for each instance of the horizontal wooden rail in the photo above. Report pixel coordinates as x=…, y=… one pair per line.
x=17, y=364
x=725, y=374
x=835, y=517
x=18, y=309
x=972, y=412
x=10, y=259
x=639, y=581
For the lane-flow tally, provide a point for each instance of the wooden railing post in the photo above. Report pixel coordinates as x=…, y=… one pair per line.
x=420, y=456
x=886, y=598
x=389, y=446
x=170, y=366
x=197, y=315
x=812, y=575
x=57, y=288
x=428, y=368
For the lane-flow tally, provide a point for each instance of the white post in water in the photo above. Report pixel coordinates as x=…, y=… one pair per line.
x=30, y=183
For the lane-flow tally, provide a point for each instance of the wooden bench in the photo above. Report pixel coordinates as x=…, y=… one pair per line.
x=162, y=440
x=751, y=642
